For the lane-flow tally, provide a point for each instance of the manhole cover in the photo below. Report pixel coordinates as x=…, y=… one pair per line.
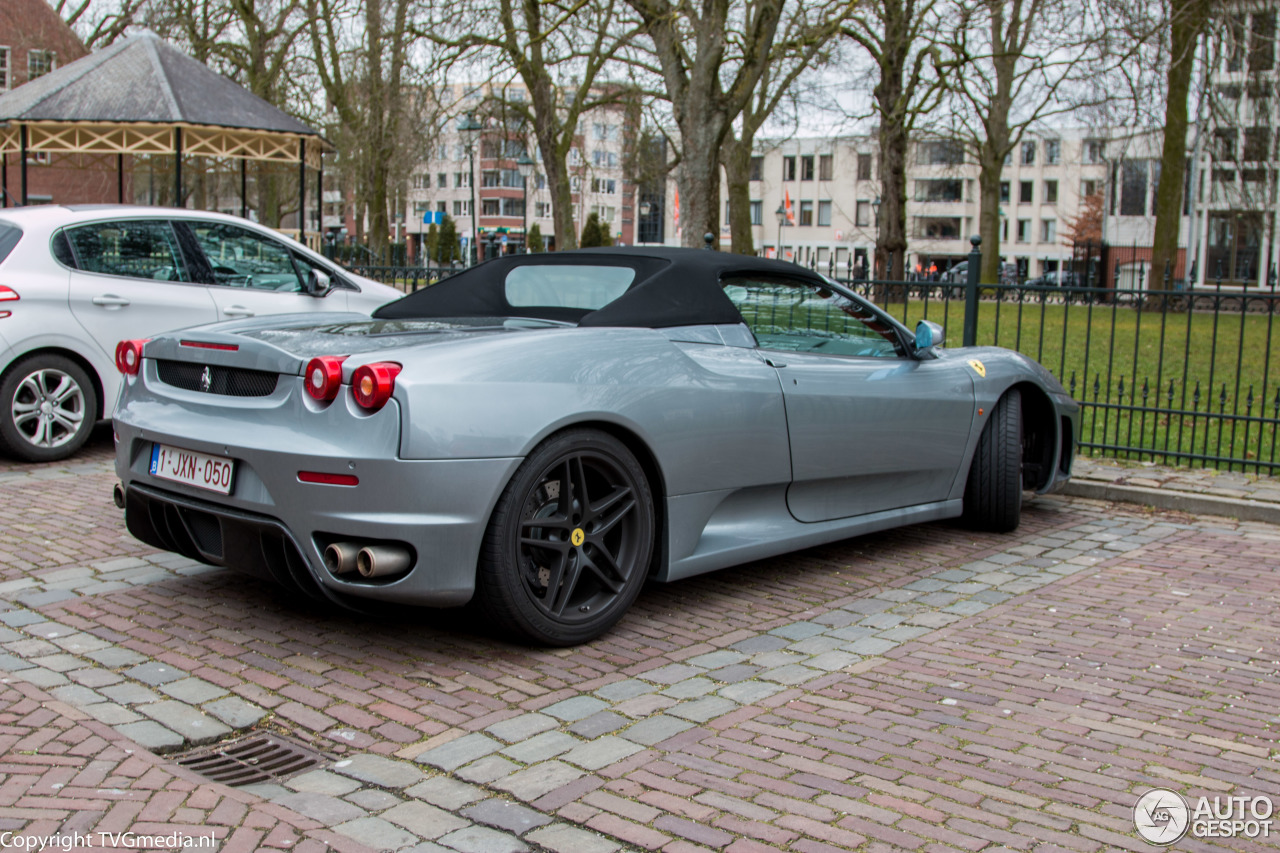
x=251, y=759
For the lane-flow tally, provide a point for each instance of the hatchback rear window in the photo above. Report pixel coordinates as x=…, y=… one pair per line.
x=9, y=237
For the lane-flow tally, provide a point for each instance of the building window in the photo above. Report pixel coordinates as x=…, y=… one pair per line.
x=1133, y=188
x=826, y=167
x=1091, y=187
x=942, y=152
x=1028, y=153
x=1052, y=152
x=490, y=207
x=806, y=167
x=1094, y=150
x=1257, y=143
x=442, y=206
x=542, y=209
x=864, y=167
x=757, y=169
x=40, y=63
x=607, y=186
x=1262, y=42
x=757, y=213
x=1024, y=230
x=788, y=168
x=461, y=179
x=1224, y=143
x=490, y=178
x=1026, y=191
x=1004, y=231
x=1048, y=231
x=942, y=189
x=606, y=213
x=605, y=159
x=863, y=215
x=824, y=213
x=806, y=213
x=938, y=228
x=442, y=180
x=420, y=182
x=5, y=82
x=1004, y=192
x=462, y=208
x=1050, y=192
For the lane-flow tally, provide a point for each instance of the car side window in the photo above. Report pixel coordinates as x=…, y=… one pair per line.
x=239, y=257
x=799, y=316
x=133, y=249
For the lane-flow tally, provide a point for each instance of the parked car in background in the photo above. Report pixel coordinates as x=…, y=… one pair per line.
x=75, y=280
x=546, y=432
x=1058, y=278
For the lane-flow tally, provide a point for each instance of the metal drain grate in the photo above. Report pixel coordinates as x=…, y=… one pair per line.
x=252, y=759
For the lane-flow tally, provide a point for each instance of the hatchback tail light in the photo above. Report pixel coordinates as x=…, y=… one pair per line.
x=372, y=384
x=129, y=356
x=324, y=376
x=8, y=294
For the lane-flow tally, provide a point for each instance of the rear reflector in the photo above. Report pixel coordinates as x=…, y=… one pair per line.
x=328, y=479
x=129, y=356
x=8, y=294
x=208, y=345
x=324, y=376
x=372, y=384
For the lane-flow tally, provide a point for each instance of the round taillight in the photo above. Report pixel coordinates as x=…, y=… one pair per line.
x=324, y=376
x=372, y=384
x=129, y=356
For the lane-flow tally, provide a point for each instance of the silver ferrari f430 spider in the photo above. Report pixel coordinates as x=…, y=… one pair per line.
x=542, y=434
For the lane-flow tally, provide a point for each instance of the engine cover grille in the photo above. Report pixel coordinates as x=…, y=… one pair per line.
x=229, y=381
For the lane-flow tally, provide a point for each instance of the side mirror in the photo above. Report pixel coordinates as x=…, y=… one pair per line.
x=928, y=335
x=318, y=282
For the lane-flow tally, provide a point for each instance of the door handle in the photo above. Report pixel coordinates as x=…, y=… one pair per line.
x=773, y=362
x=110, y=300
x=237, y=311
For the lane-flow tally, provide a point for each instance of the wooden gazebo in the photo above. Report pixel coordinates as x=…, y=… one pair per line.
x=143, y=96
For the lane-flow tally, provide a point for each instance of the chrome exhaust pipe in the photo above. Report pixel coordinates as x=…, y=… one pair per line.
x=377, y=560
x=340, y=557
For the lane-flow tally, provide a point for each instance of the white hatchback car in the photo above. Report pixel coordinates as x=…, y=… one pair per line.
x=76, y=280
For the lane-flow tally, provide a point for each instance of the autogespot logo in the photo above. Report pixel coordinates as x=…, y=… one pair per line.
x=1161, y=816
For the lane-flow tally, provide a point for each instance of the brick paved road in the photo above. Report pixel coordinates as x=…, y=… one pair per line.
x=925, y=689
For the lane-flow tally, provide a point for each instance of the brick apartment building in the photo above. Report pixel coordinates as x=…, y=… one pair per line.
x=35, y=41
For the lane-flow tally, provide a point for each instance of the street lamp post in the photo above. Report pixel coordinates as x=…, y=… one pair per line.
x=782, y=220
x=469, y=129
x=525, y=164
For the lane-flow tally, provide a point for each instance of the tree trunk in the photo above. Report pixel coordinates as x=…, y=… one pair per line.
x=1186, y=22
x=989, y=217
x=891, y=225
x=736, y=156
x=701, y=133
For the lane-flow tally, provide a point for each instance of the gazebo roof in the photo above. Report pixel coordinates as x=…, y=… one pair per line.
x=144, y=80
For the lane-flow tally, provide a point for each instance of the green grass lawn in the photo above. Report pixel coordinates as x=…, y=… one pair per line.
x=1118, y=355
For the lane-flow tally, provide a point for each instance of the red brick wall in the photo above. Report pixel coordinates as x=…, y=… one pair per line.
x=27, y=25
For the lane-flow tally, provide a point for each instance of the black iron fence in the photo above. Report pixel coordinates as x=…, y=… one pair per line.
x=1163, y=372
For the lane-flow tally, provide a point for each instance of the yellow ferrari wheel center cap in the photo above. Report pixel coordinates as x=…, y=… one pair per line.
x=577, y=537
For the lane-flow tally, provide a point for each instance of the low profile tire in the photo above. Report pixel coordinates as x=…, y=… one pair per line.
x=569, y=543
x=47, y=408
x=993, y=492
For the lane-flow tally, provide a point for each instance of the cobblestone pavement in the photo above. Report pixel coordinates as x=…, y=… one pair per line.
x=923, y=689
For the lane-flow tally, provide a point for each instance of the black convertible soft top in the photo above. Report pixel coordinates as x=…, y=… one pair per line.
x=672, y=287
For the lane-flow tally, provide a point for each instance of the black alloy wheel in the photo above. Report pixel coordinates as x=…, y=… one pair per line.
x=570, y=541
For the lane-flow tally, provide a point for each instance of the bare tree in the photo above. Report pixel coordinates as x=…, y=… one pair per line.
x=1017, y=64
x=361, y=50
x=899, y=37
x=99, y=25
x=1187, y=21
x=558, y=51
x=802, y=47
x=711, y=57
